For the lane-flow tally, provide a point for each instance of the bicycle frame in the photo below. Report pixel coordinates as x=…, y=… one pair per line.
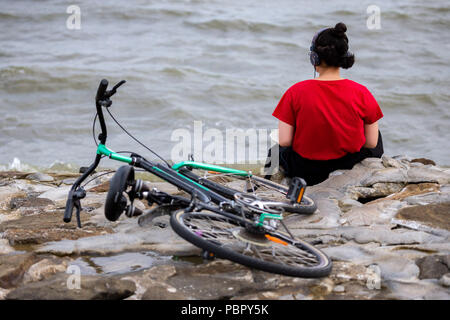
x=210, y=167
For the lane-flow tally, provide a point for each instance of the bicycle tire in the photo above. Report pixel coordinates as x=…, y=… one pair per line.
x=203, y=229
x=116, y=202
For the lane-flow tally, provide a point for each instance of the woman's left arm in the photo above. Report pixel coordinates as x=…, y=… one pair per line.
x=285, y=134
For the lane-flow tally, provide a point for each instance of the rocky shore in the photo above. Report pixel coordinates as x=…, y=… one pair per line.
x=385, y=224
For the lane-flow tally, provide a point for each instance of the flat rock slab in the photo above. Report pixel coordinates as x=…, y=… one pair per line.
x=46, y=227
x=13, y=267
x=433, y=267
x=433, y=215
x=63, y=287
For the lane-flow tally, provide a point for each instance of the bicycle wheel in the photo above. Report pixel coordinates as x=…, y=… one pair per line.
x=230, y=239
x=228, y=184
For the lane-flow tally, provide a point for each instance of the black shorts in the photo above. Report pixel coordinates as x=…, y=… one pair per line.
x=316, y=171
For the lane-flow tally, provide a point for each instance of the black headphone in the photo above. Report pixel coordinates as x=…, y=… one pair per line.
x=313, y=55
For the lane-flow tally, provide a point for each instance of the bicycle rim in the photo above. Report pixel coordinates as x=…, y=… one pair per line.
x=273, y=252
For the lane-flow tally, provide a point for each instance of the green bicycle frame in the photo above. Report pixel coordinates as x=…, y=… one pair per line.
x=210, y=167
x=103, y=150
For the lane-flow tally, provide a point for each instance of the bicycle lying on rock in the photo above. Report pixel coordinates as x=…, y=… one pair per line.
x=245, y=226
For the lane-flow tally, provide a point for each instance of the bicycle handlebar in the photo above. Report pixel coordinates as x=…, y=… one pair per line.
x=69, y=209
x=101, y=90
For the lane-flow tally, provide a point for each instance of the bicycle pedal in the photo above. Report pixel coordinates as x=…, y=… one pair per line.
x=296, y=190
x=132, y=211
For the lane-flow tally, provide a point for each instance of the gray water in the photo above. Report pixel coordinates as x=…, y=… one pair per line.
x=225, y=62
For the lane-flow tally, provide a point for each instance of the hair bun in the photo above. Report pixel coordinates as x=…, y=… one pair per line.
x=340, y=29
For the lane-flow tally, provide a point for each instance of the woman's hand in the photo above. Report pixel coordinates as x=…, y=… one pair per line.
x=285, y=134
x=371, y=134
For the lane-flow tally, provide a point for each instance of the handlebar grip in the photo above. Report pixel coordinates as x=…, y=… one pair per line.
x=101, y=89
x=69, y=210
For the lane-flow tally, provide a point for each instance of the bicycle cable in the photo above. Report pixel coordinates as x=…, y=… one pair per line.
x=98, y=176
x=93, y=129
x=129, y=134
x=135, y=139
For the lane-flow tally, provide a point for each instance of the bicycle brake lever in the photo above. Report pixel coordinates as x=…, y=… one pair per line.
x=77, y=206
x=111, y=92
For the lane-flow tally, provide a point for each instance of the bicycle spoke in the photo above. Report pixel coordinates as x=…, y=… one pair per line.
x=222, y=231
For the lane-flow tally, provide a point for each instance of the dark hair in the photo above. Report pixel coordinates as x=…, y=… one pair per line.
x=332, y=47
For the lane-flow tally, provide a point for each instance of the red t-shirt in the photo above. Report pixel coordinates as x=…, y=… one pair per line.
x=328, y=117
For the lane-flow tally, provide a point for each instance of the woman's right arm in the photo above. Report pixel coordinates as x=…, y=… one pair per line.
x=371, y=134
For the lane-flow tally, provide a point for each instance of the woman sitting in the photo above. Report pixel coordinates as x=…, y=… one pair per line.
x=327, y=123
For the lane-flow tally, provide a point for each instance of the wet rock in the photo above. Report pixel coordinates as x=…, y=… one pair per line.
x=339, y=289
x=164, y=241
x=387, y=175
x=61, y=287
x=386, y=236
x=347, y=204
x=433, y=267
x=390, y=162
x=40, y=177
x=5, y=247
x=433, y=215
x=429, y=198
x=445, y=280
x=327, y=216
x=13, y=175
x=68, y=181
x=103, y=187
x=57, y=194
x=13, y=267
x=415, y=290
x=348, y=252
x=423, y=174
x=160, y=291
x=219, y=279
x=44, y=269
x=46, y=227
x=393, y=267
x=423, y=161
x=151, y=284
x=29, y=202
x=373, y=213
x=415, y=189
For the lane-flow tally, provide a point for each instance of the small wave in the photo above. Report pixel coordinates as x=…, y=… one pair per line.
x=57, y=166
x=343, y=13
x=396, y=15
x=174, y=72
x=17, y=165
x=131, y=14
x=5, y=16
x=19, y=79
x=239, y=25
